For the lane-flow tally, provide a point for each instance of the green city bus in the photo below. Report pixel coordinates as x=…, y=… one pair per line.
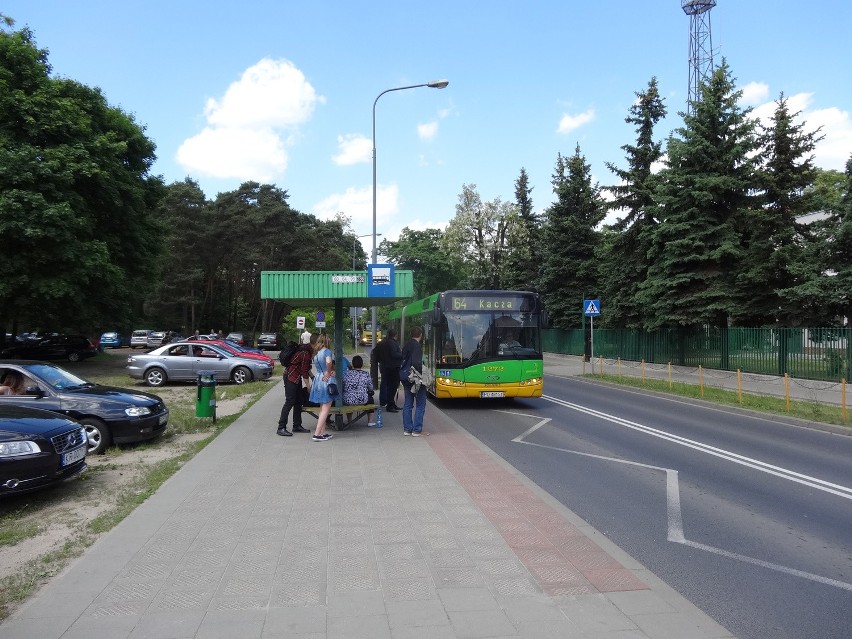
x=478, y=344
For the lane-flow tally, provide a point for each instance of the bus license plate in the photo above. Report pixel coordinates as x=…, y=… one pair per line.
x=73, y=456
x=487, y=394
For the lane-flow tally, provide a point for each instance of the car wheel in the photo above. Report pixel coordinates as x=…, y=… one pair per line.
x=98, y=435
x=73, y=357
x=155, y=377
x=241, y=375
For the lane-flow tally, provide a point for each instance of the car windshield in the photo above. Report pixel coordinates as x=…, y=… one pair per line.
x=58, y=378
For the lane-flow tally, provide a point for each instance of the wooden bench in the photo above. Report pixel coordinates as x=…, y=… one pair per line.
x=352, y=413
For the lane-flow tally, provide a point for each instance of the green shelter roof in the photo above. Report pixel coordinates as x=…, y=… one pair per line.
x=307, y=288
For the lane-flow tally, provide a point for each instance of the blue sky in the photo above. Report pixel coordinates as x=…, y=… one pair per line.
x=282, y=92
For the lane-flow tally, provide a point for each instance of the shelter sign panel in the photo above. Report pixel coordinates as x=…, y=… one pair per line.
x=380, y=280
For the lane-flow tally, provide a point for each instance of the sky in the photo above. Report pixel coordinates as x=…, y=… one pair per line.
x=283, y=92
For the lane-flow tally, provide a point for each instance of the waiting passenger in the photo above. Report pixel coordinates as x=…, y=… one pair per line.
x=358, y=387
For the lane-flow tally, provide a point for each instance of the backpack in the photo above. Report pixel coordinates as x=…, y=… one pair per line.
x=287, y=353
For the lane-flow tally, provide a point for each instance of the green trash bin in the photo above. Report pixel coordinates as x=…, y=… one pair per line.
x=205, y=400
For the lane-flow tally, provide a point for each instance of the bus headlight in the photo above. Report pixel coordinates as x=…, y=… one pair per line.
x=449, y=381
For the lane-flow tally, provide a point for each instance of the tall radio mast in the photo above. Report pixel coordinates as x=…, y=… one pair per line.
x=700, y=46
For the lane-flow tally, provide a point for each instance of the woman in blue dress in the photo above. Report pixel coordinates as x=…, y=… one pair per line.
x=324, y=364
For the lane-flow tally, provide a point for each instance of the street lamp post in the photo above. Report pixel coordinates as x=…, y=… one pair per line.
x=435, y=84
x=352, y=309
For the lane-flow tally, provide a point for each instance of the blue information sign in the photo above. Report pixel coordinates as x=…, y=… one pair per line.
x=591, y=308
x=380, y=280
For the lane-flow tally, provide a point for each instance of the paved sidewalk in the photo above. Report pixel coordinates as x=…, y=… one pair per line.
x=371, y=535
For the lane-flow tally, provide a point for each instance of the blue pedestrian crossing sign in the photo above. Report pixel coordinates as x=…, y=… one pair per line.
x=591, y=308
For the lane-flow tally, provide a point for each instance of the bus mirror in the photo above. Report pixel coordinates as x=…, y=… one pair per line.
x=436, y=316
x=545, y=320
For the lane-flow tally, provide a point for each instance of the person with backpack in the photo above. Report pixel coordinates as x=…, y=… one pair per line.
x=411, y=373
x=296, y=360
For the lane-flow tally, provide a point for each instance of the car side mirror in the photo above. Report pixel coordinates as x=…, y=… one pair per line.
x=34, y=390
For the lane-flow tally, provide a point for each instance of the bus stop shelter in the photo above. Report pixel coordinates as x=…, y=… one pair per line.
x=379, y=285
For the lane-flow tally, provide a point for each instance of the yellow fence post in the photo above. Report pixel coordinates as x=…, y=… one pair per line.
x=787, y=391
x=619, y=368
x=700, y=381
x=739, y=386
x=670, y=375
x=843, y=398
x=643, y=372
x=600, y=361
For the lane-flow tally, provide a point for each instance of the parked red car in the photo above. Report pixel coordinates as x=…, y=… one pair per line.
x=236, y=350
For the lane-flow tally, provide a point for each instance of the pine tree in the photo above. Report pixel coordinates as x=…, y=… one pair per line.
x=695, y=251
x=569, y=269
x=523, y=262
x=626, y=256
x=772, y=241
x=840, y=253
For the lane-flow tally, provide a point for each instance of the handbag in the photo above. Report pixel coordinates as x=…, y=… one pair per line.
x=332, y=387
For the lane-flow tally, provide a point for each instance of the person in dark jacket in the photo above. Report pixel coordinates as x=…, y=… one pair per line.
x=390, y=359
x=298, y=371
x=412, y=357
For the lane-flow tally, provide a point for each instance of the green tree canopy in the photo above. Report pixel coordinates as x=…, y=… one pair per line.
x=625, y=262
x=570, y=238
x=696, y=247
x=479, y=233
x=420, y=251
x=76, y=198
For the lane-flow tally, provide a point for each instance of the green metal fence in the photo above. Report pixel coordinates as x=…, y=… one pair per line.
x=804, y=353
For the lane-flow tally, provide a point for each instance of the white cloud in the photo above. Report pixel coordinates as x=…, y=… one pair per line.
x=427, y=131
x=754, y=93
x=232, y=152
x=357, y=204
x=354, y=149
x=248, y=128
x=570, y=122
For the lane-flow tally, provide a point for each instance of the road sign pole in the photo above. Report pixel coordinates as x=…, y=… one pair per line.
x=592, y=333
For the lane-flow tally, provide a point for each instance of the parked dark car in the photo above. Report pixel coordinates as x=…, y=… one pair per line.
x=269, y=342
x=38, y=448
x=240, y=338
x=69, y=347
x=109, y=414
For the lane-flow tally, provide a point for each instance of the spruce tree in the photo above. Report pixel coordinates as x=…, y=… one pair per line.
x=772, y=242
x=523, y=262
x=625, y=259
x=569, y=269
x=695, y=251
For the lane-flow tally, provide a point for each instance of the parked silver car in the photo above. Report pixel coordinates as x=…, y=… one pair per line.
x=139, y=338
x=155, y=339
x=185, y=361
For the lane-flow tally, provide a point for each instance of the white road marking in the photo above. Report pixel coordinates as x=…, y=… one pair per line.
x=673, y=510
x=784, y=473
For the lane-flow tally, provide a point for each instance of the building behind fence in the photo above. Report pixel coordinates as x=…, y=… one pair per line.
x=804, y=353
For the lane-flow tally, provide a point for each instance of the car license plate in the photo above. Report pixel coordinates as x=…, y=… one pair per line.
x=487, y=394
x=73, y=456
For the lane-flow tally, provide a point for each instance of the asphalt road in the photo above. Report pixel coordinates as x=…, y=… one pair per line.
x=749, y=518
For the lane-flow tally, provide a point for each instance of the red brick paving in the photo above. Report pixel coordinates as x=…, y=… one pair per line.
x=558, y=555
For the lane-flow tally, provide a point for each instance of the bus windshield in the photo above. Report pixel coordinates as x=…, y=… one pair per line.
x=471, y=336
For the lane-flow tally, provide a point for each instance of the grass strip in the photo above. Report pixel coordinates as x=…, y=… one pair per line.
x=812, y=411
